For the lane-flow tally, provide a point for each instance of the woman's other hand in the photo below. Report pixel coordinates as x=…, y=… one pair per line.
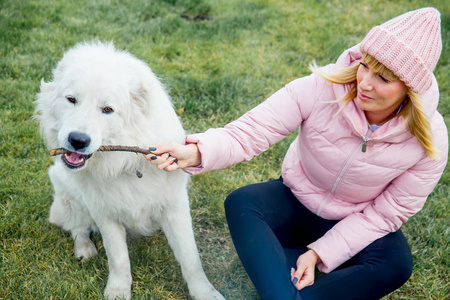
x=172, y=156
x=304, y=275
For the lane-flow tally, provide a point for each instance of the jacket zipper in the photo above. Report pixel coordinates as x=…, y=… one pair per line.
x=363, y=147
x=364, y=143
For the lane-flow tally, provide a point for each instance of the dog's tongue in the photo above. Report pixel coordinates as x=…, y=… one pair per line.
x=74, y=158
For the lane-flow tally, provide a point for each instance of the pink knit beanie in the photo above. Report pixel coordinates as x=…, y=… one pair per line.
x=408, y=45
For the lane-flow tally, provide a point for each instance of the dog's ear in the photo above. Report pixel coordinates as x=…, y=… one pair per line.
x=154, y=105
x=47, y=87
x=44, y=97
x=149, y=90
x=43, y=112
x=141, y=99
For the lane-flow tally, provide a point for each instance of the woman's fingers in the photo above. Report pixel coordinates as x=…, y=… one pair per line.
x=304, y=275
x=163, y=161
x=162, y=148
x=172, y=156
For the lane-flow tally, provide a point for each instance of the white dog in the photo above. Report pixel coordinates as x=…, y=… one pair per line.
x=102, y=96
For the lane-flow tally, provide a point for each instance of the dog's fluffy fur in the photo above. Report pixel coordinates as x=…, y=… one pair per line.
x=102, y=96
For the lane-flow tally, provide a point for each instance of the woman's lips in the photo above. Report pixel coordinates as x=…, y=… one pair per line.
x=363, y=97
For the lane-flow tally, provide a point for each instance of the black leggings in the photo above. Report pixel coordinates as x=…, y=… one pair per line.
x=270, y=230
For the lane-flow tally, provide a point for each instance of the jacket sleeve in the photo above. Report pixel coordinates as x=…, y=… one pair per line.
x=258, y=129
x=403, y=198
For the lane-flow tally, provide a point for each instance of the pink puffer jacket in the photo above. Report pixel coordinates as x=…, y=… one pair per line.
x=373, y=192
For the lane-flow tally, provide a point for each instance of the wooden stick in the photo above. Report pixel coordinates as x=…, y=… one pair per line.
x=59, y=151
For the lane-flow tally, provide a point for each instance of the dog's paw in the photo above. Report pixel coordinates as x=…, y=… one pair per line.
x=216, y=295
x=207, y=293
x=84, y=248
x=117, y=294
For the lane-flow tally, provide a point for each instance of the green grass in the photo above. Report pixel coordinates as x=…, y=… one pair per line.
x=217, y=67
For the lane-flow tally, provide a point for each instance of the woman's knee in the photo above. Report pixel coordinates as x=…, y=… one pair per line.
x=232, y=199
x=238, y=201
x=400, y=261
x=401, y=268
x=391, y=259
x=256, y=195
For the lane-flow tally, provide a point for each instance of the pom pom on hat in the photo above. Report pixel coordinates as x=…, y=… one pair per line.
x=408, y=45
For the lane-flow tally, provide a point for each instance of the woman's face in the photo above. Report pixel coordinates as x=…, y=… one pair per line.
x=379, y=96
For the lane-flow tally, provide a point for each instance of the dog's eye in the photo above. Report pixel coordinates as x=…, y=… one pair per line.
x=107, y=110
x=71, y=99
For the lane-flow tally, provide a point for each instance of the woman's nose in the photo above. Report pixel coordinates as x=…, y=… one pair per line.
x=366, y=83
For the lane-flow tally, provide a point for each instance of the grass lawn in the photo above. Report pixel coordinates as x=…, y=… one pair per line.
x=218, y=58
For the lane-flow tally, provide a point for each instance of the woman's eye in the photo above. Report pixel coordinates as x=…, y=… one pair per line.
x=107, y=110
x=384, y=79
x=71, y=99
x=363, y=64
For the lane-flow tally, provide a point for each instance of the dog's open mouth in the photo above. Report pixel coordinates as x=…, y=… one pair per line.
x=75, y=160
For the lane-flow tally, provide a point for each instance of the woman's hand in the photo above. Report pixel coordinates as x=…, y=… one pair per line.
x=172, y=156
x=304, y=275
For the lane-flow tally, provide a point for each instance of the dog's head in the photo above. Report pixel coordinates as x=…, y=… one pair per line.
x=100, y=96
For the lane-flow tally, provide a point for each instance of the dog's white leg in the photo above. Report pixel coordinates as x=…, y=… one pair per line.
x=177, y=226
x=77, y=221
x=119, y=278
x=83, y=247
x=69, y=212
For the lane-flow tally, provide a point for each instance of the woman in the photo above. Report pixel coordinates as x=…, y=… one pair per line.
x=370, y=149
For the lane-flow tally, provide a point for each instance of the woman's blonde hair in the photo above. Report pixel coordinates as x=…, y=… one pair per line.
x=412, y=111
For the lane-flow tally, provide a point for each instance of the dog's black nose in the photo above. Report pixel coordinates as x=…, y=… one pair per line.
x=79, y=140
